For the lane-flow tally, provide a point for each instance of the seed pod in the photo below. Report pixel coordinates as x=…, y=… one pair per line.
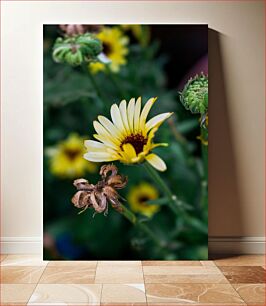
x=77, y=49
x=194, y=96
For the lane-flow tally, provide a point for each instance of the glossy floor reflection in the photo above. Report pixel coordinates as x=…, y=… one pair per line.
x=238, y=280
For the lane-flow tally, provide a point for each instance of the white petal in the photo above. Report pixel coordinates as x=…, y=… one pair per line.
x=130, y=114
x=156, y=162
x=108, y=125
x=94, y=144
x=102, y=131
x=137, y=115
x=145, y=112
x=99, y=158
x=105, y=149
x=157, y=120
x=123, y=112
x=116, y=117
x=107, y=142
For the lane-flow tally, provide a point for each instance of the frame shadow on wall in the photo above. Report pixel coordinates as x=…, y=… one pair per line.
x=225, y=216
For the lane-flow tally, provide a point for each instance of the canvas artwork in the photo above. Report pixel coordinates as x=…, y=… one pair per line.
x=125, y=142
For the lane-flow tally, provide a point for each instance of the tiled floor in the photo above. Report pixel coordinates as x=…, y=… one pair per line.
x=230, y=281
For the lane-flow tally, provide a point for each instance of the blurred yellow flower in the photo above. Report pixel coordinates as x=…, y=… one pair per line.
x=140, y=32
x=203, y=141
x=139, y=195
x=66, y=159
x=129, y=137
x=114, y=48
x=134, y=28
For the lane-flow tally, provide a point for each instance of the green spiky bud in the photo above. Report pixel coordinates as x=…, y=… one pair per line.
x=77, y=49
x=194, y=96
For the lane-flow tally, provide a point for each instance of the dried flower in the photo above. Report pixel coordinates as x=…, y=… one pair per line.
x=78, y=29
x=97, y=196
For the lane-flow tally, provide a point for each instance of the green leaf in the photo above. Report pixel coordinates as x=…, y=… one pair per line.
x=161, y=201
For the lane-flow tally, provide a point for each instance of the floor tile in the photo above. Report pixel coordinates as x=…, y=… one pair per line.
x=248, y=274
x=154, y=270
x=119, y=263
x=192, y=293
x=115, y=274
x=68, y=275
x=171, y=263
x=208, y=263
x=21, y=275
x=72, y=263
x=123, y=293
x=251, y=293
x=126, y=304
x=16, y=293
x=23, y=260
x=242, y=260
x=183, y=274
x=66, y=294
x=195, y=304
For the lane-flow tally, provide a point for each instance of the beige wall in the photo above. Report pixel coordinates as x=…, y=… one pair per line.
x=236, y=49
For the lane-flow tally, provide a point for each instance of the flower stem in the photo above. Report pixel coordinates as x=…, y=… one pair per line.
x=204, y=183
x=122, y=93
x=128, y=214
x=204, y=150
x=95, y=85
x=164, y=188
x=174, y=204
x=134, y=220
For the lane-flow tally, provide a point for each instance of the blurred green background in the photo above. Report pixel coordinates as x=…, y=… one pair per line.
x=152, y=61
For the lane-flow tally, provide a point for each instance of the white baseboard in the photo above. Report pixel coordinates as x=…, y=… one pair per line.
x=236, y=245
x=21, y=245
x=217, y=245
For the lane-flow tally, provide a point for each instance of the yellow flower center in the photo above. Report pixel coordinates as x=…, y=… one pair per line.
x=72, y=153
x=143, y=199
x=107, y=48
x=138, y=141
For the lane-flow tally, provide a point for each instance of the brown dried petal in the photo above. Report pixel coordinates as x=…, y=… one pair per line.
x=94, y=28
x=110, y=192
x=77, y=29
x=105, y=169
x=98, y=202
x=82, y=184
x=116, y=204
x=81, y=199
x=74, y=29
x=117, y=181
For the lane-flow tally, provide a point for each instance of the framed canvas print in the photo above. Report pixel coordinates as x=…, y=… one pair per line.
x=125, y=142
